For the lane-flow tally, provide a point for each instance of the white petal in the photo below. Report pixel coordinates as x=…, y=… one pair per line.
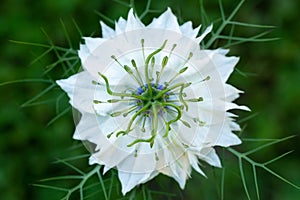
x=142, y=161
x=82, y=93
x=234, y=126
x=194, y=163
x=83, y=53
x=231, y=93
x=120, y=25
x=209, y=155
x=112, y=153
x=214, y=64
x=202, y=36
x=176, y=164
x=133, y=22
x=167, y=20
x=224, y=65
x=222, y=51
x=88, y=129
x=227, y=139
x=137, y=169
x=105, y=169
x=80, y=90
x=187, y=30
x=93, y=43
x=107, y=32
x=220, y=134
x=129, y=180
x=230, y=106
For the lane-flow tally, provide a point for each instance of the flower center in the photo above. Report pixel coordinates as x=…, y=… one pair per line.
x=151, y=98
x=152, y=101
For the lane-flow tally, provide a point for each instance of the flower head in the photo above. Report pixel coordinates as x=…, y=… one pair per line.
x=152, y=101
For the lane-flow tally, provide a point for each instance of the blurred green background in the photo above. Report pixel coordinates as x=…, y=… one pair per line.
x=28, y=145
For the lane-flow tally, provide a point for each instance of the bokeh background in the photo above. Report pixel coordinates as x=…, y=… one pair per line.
x=269, y=73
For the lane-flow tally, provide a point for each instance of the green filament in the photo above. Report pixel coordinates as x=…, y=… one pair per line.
x=147, y=63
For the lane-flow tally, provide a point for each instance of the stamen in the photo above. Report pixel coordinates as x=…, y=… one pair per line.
x=164, y=62
x=206, y=79
x=154, y=123
x=185, y=123
x=109, y=135
x=195, y=99
x=97, y=101
x=173, y=47
x=125, y=111
x=133, y=119
x=130, y=72
x=144, y=122
x=152, y=68
x=199, y=122
x=176, y=75
x=168, y=128
x=129, y=111
x=156, y=157
x=120, y=100
x=173, y=120
x=184, y=85
x=115, y=59
x=143, y=48
x=95, y=82
x=135, y=153
x=119, y=94
x=147, y=63
x=138, y=122
x=137, y=71
x=182, y=100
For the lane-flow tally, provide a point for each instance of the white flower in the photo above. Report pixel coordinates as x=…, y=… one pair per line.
x=152, y=101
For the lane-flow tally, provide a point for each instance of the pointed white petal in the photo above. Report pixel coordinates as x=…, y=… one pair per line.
x=80, y=90
x=120, y=25
x=129, y=180
x=88, y=129
x=107, y=32
x=227, y=139
x=133, y=22
x=167, y=20
x=82, y=93
x=105, y=169
x=202, y=36
x=231, y=93
x=93, y=43
x=225, y=65
x=234, y=126
x=83, y=53
x=215, y=65
x=230, y=106
x=194, y=163
x=111, y=154
x=187, y=30
x=209, y=155
x=222, y=51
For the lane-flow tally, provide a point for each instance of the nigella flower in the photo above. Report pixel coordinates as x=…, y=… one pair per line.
x=152, y=101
